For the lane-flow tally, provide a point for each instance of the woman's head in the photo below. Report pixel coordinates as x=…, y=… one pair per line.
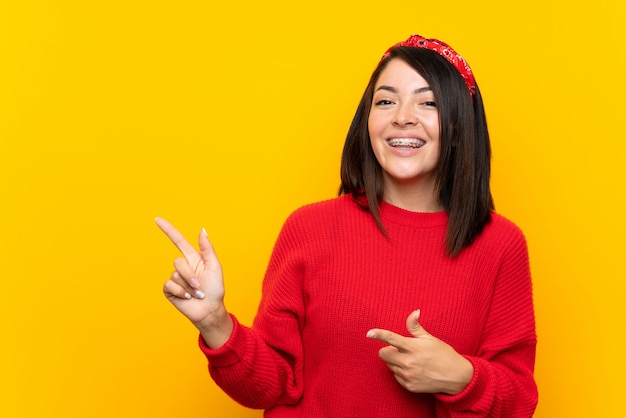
x=462, y=172
x=403, y=127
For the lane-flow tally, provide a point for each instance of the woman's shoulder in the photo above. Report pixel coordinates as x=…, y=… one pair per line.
x=502, y=224
x=317, y=221
x=503, y=232
x=324, y=208
x=324, y=214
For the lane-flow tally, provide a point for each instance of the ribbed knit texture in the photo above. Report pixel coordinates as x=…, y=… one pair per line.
x=333, y=276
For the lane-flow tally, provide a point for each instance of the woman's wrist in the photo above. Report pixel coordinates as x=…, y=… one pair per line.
x=216, y=328
x=463, y=378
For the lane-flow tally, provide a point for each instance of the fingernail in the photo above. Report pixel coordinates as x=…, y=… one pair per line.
x=187, y=295
x=370, y=334
x=199, y=294
x=194, y=282
x=204, y=232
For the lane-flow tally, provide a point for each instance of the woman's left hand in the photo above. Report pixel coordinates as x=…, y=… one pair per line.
x=423, y=363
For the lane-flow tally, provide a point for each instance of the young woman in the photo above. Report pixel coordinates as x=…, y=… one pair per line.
x=406, y=296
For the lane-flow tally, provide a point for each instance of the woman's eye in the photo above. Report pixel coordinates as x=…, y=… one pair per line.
x=383, y=102
x=430, y=103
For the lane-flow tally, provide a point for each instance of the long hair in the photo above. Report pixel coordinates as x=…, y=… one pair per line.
x=463, y=170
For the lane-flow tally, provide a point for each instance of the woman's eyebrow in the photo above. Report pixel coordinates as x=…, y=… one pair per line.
x=387, y=88
x=394, y=90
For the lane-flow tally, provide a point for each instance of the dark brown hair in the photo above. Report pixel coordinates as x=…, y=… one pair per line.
x=462, y=177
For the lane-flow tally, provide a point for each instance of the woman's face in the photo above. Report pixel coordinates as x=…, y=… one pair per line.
x=404, y=128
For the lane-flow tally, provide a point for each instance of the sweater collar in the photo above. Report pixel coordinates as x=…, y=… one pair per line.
x=394, y=214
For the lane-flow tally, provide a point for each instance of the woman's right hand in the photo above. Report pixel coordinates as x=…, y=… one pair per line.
x=196, y=286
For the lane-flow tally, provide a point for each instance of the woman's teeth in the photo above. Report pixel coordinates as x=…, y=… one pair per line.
x=405, y=143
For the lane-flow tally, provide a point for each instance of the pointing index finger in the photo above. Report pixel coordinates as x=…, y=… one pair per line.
x=387, y=337
x=178, y=239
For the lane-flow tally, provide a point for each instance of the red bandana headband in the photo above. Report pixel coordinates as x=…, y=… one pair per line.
x=446, y=51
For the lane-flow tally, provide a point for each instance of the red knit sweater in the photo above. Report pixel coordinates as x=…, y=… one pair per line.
x=333, y=276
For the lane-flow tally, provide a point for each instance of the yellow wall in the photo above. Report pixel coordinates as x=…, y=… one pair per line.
x=229, y=116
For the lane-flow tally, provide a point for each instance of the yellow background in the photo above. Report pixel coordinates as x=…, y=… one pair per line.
x=229, y=115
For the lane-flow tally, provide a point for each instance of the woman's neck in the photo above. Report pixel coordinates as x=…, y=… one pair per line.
x=414, y=197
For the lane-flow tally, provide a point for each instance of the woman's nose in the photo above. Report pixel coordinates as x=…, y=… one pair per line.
x=405, y=115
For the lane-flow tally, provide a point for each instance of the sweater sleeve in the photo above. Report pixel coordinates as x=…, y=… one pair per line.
x=503, y=384
x=261, y=367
